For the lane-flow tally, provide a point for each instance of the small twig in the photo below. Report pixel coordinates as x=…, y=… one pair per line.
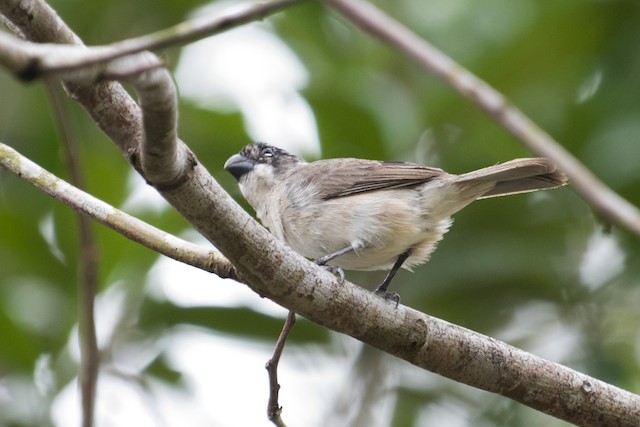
x=30, y=62
x=601, y=198
x=88, y=267
x=274, y=410
x=13, y=28
x=196, y=29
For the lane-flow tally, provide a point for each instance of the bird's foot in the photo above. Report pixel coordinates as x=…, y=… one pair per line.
x=336, y=271
x=388, y=295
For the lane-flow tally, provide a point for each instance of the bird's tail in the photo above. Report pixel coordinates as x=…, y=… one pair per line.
x=513, y=177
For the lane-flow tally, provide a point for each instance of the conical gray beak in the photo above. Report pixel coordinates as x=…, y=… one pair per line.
x=238, y=165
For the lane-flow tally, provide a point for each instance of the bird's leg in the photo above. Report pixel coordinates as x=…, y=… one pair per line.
x=382, y=289
x=334, y=268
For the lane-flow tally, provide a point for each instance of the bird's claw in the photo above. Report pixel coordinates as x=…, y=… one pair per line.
x=336, y=271
x=391, y=296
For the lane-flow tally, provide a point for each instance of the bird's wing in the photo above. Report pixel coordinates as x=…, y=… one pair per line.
x=345, y=177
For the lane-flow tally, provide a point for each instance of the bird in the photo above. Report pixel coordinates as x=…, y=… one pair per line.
x=357, y=214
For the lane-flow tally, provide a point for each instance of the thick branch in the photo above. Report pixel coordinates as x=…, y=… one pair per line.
x=164, y=160
x=601, y=198
x=425, y=341
x=274, y=271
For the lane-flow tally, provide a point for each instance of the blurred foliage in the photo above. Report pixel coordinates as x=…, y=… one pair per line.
x=573, y=66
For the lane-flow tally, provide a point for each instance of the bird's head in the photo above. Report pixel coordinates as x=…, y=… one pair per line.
x=259, y=167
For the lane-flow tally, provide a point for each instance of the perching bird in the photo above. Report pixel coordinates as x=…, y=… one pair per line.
x=366, y=214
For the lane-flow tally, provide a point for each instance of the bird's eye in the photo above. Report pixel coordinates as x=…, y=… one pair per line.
x=267, y=152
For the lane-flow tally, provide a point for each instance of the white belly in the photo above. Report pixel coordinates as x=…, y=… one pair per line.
x=381, y=228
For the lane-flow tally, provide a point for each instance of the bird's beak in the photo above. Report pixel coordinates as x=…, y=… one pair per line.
x=238, y=165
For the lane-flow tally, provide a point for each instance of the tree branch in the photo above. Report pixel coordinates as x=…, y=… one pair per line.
x=274, y=410
x=88, y=267
x=130, y=227
x=424, y=341
x=600, y=197
x=181, y=33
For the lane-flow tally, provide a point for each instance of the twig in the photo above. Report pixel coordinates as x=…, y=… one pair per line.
x=274, y=410
x=88, y=268
x=601, y=198
x=196, y=29
x=87, y=289
x=69, y=58
x=11, y=27
x=130, y=227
